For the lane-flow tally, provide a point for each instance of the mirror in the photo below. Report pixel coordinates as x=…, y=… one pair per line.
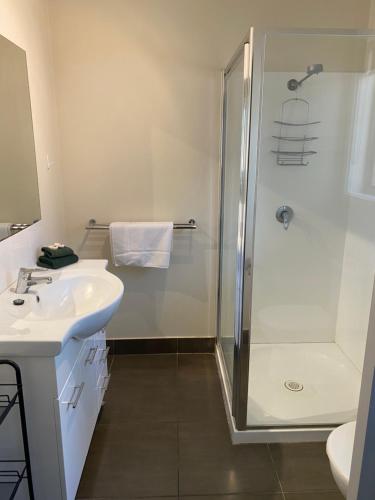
x=19, y=193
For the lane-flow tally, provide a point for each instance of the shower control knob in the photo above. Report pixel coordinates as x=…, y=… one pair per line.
x=284, y=215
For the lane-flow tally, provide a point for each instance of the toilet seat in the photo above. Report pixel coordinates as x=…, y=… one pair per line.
x=340, y=445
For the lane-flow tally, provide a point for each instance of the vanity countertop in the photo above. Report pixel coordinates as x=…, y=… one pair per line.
x=80, y=301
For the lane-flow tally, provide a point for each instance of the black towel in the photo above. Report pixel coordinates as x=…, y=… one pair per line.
x=53, y=253
x=57, y=262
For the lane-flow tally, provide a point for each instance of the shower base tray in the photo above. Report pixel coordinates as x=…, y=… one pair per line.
x=301, y=385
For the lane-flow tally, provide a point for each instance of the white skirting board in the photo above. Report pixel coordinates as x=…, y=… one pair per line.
x=281, y=435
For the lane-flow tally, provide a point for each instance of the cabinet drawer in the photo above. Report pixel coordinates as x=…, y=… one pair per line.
x=103, y=351
x=102, y=385
x=66, y=360
x=77, y=409
x=77, y=412
x=89, y=354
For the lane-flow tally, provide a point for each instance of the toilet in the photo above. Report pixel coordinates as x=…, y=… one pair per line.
x=340, y=445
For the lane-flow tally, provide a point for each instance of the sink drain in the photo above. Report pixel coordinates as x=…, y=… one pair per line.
x=292, y=385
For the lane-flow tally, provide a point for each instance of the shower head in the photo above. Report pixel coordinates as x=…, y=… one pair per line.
x=313, y=69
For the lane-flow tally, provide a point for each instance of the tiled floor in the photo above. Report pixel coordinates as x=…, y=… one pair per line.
x=163, y=434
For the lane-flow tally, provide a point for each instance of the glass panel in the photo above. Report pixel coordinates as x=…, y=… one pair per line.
x=228, y=308
x=313, y=266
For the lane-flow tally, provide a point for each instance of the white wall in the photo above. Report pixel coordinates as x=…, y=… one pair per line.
x=313, y=283
x=357, y=280
x=26, y=23
x=297, y=273
x=140, y=142
x=139, y=102
x=359, y=257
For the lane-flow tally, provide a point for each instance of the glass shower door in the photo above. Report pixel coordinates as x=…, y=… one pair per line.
x=296, y=248
x=312, y=276
x=233, y=207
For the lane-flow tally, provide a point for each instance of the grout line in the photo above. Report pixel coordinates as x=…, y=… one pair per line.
x=215, y=496
x=212, y=496
x=164, y=354
x=178, y=423
x=275, y=470
x=316, y=491
x=178, y=460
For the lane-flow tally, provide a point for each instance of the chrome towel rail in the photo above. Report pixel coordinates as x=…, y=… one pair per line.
x=191, y=224
x=18, y=227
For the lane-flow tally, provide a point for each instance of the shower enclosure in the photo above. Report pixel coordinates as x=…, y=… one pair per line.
x=297, y=246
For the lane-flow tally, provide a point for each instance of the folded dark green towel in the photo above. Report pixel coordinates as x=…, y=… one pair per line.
x=53, y=253
x=57, y=262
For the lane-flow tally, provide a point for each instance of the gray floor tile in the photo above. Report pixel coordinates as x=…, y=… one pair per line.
x=195, y=370
x=199, y=391
x=143, y=401
x=129, y=484
x=303, y=467
x=136, y=363
x=131, y=498
x=195, y=364
x=142, y=388
x=163, y=431
x=131, y=460
x=321, y=495
x=209, y=442
x=203, y=403
x=239, y=496
x=208, y=480
x=210, y=464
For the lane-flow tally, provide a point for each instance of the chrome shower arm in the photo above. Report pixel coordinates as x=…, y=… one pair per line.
x=314, y=69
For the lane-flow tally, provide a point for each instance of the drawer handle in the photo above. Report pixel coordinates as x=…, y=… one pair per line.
x=77, y=391
x=80, y=389
x=91, y=356
x=104, y=356
x=104, y=387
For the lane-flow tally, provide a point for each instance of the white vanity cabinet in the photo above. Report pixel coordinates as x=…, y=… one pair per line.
x=63, y=397
x=77, y=408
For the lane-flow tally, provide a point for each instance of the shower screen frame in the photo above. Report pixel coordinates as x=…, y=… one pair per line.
x=238, y=392
x=237, y=395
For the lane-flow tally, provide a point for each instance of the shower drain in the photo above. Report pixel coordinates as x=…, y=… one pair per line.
x=292, y=385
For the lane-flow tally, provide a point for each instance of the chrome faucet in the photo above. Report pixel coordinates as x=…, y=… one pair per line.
x=26, y=279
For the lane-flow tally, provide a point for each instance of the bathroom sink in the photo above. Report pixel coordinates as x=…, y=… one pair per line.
x=80, y=301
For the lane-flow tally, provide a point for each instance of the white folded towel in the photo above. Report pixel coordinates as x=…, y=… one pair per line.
x=5, y=230
x=142, y=244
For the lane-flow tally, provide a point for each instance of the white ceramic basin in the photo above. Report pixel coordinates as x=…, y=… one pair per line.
x=79, y=302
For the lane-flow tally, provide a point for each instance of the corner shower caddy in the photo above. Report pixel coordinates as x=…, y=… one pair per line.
x=12, y=472
x=291, y=148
